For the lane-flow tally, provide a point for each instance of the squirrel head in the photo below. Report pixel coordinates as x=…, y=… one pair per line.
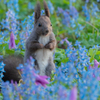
x=42, y=24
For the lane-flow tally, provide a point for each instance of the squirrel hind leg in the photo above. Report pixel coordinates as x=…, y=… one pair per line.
x=11, y=73
x=50, y=68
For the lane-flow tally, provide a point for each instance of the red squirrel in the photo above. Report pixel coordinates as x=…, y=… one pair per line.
x=41, y=42
x=40, y=45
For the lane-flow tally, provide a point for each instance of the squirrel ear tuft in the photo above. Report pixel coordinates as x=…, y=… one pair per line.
x=47, y=13
x=37, y=11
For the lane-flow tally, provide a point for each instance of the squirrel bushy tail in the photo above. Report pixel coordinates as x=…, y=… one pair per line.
x=11, y=64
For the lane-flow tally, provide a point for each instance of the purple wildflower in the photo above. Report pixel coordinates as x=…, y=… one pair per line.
x=30, y=6
x=87, y=1
x=96, y=63
x=42, y=12
x=86, y=12
x=98, y=78
x=66, y=20
x=73, y=12
x=68, y=43
x=50, y=6
x=62, y=93
x=98, y=0
x=73, y=94
x=95, y=9
x=60, y=10
x=12, y=41
x=41, y=80
x=1, y=71
x=90, y=67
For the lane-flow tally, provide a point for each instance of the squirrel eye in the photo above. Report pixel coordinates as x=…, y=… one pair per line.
x=51, y=25
x=39, y=25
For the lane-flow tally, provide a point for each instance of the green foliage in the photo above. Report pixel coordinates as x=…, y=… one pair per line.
x=94, y=54
x=1, y=96
x=60, y=56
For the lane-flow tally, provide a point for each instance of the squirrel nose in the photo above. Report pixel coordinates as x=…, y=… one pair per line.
x=47, y=31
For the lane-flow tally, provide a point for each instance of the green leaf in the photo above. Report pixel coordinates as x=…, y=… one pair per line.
x=8, y=51
x=66, y=2
x=92, y=58
x=98, y=53
x=58, y=38
x=90, y=52
x=1, y=96
x=65, y=60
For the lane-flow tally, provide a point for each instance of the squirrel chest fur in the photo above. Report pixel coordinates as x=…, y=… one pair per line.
x=43, y=55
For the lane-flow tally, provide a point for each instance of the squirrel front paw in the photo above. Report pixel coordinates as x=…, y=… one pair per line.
x=49, y=46
x=38, y=45
x=34, y=46
x=41, y=46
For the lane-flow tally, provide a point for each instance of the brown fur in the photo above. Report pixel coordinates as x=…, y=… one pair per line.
x=42, y=28
x=47, y=13
x=37, y=12
x=43, y=34
x=11, y=73
x=32, y=46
